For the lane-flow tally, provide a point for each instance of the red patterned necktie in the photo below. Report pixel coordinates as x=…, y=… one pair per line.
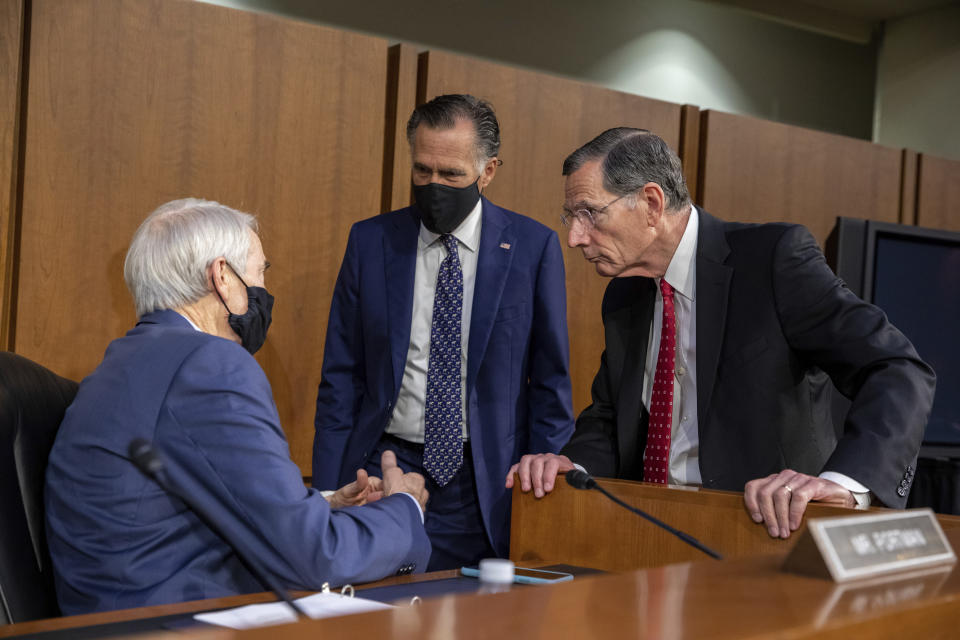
x=656, y=457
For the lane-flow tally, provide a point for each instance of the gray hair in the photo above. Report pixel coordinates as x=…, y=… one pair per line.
x=631, y=159
x=444, y=111
x=166, y=265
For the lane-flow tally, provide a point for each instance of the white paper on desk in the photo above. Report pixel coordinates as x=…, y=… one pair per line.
x=319, y=605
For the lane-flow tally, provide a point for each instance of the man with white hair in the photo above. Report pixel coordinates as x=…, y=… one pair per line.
x=184, y=378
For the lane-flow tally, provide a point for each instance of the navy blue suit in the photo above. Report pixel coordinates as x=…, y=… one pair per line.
x=117, y=540
x=518, y=385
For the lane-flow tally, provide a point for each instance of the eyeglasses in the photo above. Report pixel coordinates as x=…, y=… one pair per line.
x=586, y=216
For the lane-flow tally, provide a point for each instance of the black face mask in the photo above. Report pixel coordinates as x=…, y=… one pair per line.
x=443, y=208
x=251, y=326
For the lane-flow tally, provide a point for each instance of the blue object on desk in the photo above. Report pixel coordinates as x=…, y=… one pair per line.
x=523, y=575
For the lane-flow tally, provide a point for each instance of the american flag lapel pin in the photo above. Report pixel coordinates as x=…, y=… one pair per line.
x=505, y=245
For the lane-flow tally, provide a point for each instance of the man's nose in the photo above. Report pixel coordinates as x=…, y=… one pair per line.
x=577, y=234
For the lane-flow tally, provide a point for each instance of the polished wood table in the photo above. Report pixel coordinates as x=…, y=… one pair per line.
x=740, y=598
x=194, y=606
x=735, y=599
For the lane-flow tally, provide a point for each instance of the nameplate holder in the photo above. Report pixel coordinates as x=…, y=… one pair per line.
x=856, y=547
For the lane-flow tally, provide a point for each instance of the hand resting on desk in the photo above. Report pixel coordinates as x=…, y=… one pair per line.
x=538, y=472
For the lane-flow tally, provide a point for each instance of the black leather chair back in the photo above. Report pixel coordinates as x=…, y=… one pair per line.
x=32, y=402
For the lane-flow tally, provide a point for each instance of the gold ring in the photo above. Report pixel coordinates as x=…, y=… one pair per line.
x=788, y=488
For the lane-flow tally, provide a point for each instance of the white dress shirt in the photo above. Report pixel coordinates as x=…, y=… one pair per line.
x=407, y=419
x=682, y=276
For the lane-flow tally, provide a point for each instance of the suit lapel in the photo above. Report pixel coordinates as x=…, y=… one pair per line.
x=633, y=332
x=400, y=266
x=713, y=287
x=493, y=266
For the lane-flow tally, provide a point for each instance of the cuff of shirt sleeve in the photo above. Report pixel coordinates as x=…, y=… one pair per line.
x=419, y=508
x=860, y=493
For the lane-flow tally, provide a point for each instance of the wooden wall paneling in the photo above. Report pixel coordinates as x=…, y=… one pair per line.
x=938, y=193
x=137, y=102
x=755, y=170
x=908, y=188
x=11, y=60
x=542, y=120
x=689, y=150
x=401, y=100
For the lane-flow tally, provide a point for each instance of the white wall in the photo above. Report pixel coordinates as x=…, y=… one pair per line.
x=682, y=51
x=918, y=84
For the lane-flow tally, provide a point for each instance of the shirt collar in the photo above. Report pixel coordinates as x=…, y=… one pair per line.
x=681, y=270
x=467, y=234
x=191, y=321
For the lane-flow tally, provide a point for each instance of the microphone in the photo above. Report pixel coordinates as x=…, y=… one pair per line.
x=146, y=458
x=582, y=480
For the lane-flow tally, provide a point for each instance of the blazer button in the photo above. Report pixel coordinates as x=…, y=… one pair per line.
x=902, y=492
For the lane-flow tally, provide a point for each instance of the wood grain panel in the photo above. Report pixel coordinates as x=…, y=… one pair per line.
x=401, y=100
x=689, y=150
x=542, y=120
x=136, y=102
x=755, y=170
x=604, y=535
x=938, y=193
x=908, y=188
x=11, y=47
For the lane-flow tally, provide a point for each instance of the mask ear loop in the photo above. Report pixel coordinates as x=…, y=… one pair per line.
x=212, y=284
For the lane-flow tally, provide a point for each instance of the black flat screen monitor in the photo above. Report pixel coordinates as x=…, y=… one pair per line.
x=913, y=274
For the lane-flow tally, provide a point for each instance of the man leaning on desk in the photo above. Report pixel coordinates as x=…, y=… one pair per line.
x=720, y=338
x=184, y=378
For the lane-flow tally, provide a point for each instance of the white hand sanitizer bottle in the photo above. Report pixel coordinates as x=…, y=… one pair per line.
x=496, y=575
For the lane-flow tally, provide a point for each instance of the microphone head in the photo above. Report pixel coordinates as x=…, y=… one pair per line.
x=143, y=455
x=580, y=479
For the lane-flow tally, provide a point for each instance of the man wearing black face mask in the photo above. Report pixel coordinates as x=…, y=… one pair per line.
x=180, y=380
x=447, y=341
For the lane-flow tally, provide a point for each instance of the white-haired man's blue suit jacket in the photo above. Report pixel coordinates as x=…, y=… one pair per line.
x=117, y=540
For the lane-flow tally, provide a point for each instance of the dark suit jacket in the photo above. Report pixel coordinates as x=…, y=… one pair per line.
x=518, y=385
x=773, y=323
x=118, y=540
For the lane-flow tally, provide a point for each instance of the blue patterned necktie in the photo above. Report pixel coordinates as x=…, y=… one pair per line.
x=442, y=444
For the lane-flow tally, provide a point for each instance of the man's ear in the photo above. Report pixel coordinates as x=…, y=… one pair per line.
x=489, y=170
x=652, y=195
x=217, y=275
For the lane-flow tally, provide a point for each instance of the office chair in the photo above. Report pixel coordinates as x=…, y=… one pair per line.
x=32, y=403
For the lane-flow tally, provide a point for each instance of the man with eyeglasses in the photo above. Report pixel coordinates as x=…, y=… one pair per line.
x=721, y=341
x=447, y=341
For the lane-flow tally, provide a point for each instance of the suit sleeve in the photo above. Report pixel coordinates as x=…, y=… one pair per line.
x=228, y=451
x=550, y=403
x=594, y=442
x=341, y=383
x=869, y=360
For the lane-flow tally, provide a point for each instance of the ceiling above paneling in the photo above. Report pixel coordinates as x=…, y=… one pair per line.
x=854, y=20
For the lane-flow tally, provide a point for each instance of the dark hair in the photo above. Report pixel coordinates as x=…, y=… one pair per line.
x=443, y=112
x=631, y=159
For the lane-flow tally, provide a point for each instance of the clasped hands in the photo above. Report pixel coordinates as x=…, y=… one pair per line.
x=777, y=501
x=367, y=488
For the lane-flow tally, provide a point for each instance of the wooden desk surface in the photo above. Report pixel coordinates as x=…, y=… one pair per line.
x=736, y=599
x=740, y=598
x=194, y=606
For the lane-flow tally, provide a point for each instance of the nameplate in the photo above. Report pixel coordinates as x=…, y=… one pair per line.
x=855, y=547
